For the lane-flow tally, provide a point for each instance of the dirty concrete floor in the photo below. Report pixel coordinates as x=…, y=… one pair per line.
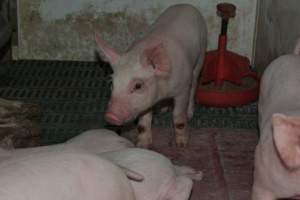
x=225, y=157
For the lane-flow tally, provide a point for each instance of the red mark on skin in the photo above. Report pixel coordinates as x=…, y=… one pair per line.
x=180, y=125
x=141, y=129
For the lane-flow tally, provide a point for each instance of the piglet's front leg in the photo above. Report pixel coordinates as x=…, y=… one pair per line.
x=144, y=131
x=180, y=120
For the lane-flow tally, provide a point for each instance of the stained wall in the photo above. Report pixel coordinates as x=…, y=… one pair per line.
x=63, y=29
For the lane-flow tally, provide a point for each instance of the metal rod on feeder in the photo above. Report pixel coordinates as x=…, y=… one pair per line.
x=225, y=11
x=224, y=26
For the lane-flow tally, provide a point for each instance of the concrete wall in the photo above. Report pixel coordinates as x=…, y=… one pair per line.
x=63, y=29
x=278, y=28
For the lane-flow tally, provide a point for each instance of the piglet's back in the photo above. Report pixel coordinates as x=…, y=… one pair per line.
x=68, y=175
x=280, y=88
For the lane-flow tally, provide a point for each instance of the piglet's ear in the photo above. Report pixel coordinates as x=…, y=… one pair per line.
x=156, y=55
x=106, y=53
x=297, y=48
x=286, y=133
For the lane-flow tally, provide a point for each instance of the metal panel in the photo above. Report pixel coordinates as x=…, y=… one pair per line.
x=277, y=30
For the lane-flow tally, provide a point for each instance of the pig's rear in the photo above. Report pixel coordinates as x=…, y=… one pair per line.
x=66, y=175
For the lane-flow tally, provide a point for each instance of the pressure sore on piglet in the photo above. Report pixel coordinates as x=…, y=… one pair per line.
x=181, y=135
x=180, y=126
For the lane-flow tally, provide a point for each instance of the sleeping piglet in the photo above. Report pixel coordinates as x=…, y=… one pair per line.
x=164, y=64
x=277, y=155
x=65, y=175
x=98, y=141
x=162, y=179
x=94, y=140
x=151, y=168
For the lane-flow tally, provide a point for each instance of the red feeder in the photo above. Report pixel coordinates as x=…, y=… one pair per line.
x=226, y=78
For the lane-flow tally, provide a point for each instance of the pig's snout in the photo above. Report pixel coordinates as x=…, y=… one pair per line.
x=112, y=118
x=116, y=114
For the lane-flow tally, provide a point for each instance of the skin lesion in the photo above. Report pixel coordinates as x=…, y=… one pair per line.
x=180, y=125
x=181, y=136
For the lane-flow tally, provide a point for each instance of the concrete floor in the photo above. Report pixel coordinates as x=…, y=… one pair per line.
x=225, y=157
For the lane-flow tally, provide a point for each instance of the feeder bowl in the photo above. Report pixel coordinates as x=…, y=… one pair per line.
x=229, y=95
x=226, y=78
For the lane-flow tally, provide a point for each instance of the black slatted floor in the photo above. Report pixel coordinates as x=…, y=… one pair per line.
x=74, y=96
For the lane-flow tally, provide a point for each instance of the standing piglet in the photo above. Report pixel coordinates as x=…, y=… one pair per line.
x=277, y=156
x=165, y=63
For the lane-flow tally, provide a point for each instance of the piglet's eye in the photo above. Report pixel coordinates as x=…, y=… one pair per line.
x=138, y=86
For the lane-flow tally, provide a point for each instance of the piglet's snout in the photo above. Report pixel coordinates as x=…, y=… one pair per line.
x=112, y=118
x=116, y=113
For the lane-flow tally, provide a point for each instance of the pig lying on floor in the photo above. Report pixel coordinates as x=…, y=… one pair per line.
x=162, y=179
x=96, y=141
x=164, y=64
x=277, y=156
x=64, y=175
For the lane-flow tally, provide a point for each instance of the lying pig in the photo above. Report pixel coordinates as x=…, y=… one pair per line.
x=154, y=168
x=165, y=63
x=277, y=155
x=66, y=175
x=162, y=180
x=102, y=140
x=99, y=140
x=95, y=140
x=92, y=141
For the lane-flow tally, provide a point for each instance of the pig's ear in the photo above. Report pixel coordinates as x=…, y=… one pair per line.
x=106, y=53
x=297, y=48
x=157, y=56
x=286, y=133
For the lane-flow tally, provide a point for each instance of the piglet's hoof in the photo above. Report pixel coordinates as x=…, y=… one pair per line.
x=193, y=174
x=181, y=141
x=144, y=145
